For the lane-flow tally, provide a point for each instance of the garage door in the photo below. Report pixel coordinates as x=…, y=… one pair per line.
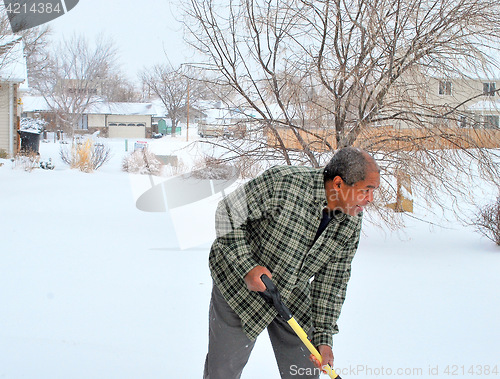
x=126, y=131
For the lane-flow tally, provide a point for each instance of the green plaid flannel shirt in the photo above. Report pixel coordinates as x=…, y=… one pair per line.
x=272, y=221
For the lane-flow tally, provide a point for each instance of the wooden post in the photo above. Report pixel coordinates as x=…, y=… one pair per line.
x=187, y=114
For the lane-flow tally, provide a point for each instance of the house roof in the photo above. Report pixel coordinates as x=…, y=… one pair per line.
x=13, y=68
x=218, y=111
x=35, y=104
x=159, y=108
x=124, y=109
x=39, y=104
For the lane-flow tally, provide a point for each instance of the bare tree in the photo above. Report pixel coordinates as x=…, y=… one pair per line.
x=75, y=76
x=116, y=87
x=347, y=66
x=35, y=44
x=171, y=86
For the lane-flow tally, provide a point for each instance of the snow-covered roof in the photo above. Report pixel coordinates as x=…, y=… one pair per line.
x=217, y=114
x=35, y=104
x=486, y=106
x=124, y=109
x=159, y=108
x=217, y=111
x=39, y=104
x=13, y=66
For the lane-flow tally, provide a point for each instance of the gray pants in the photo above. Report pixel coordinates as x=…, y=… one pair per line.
x=229, y=348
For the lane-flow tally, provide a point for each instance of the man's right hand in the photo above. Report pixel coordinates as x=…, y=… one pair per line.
x=253, y=280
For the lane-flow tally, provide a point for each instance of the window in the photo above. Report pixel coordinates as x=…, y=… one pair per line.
x=489, y=89
x=491, y=121
x=462, y=121
x=82, y=91
x=441, y=121
x=445, y=87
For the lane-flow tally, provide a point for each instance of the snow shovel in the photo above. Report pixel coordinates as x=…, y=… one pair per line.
x=271, y=294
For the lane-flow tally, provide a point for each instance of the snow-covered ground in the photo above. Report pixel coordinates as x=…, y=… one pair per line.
x=92, y=287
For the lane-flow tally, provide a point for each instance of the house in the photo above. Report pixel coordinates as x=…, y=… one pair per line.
x=162, y=116
x=13, y=80
x=111, y=119
x=476, y=99
x=79, y=87
x=223, y=121
x=485, y=113
x=457, y=113
x=118, y=120
x=37, y=107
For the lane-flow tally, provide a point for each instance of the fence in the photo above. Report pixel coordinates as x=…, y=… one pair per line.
x=389, y=138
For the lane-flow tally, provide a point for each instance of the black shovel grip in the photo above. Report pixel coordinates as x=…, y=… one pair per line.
x=272, y=295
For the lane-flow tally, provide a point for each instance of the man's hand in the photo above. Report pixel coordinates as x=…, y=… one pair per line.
x=253, y=281
x=327, y=355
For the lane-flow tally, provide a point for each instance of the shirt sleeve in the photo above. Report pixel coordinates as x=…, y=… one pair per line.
x=328, y=292
x=235, y=213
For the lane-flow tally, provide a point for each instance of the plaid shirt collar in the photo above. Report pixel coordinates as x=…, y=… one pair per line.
x=319, y=192
x=319, y=195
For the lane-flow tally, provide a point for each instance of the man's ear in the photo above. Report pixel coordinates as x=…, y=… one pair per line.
x=337, y=182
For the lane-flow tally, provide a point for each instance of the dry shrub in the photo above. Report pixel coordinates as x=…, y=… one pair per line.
x=210, y=168
x=248, y=167
x=3, y=154
x=488, y=221
x=142, y=161
x=177, y=169
x=26, y=161
x=87, y=156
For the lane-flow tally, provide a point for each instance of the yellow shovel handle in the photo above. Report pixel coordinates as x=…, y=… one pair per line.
x=303, y=337
x=272, y=295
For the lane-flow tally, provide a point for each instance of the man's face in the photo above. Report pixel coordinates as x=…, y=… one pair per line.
x=352, y=199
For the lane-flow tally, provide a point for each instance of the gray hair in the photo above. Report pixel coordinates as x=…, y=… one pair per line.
x=351, y=164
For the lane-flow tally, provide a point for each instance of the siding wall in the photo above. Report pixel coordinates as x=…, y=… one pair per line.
x=461, y=90
x=4, y=117
x=421, y=90
x=96, y=121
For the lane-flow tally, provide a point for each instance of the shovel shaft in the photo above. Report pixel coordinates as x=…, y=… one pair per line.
x=273, y=296
x=303, y=337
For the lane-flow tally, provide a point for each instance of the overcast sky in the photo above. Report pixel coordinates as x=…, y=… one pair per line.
x=141, y=29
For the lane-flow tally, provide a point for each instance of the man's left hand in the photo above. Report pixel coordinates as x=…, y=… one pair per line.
x=327, y=355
